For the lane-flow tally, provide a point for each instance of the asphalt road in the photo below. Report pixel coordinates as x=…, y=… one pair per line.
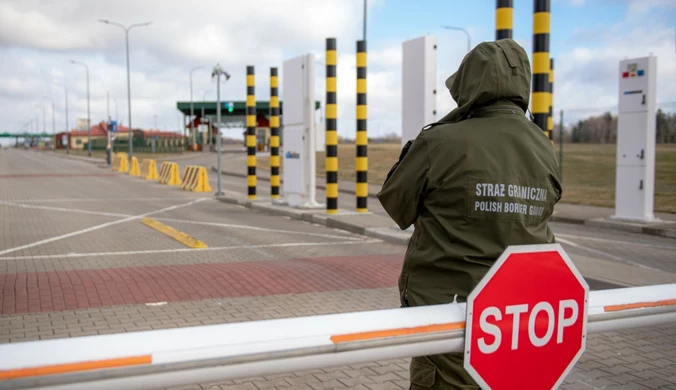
x=76, y=259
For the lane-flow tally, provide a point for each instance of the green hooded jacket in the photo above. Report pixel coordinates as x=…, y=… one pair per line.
x=482, y=178
x=479, y=180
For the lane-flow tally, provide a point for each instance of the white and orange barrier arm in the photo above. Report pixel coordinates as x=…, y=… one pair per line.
x=202, y=354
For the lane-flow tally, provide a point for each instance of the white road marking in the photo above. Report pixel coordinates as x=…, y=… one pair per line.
x=27, y=206
x=604, y=254
x=97, y=227
x=630, y=243
x=80, y=200
x=222, y=248
x=226, y=225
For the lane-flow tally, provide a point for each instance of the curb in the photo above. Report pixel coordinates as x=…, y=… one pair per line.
x=596, y=222
x=319, y=186
x=616, y=225
x=386, y=234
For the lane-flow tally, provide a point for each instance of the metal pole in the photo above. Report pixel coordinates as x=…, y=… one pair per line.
x=331, y=127
x=561, y=147
x=89, y=126
x=53, y=127
x=126, y=32
x=220, y=141
x=89, y=121
x=53, y=123
x=108, y=146
x=192, y=111
x=207, y=135
x=361, y=190
x=131, y=133
x=504, y=19
x=274, y=134
x=364, y=36
x=469, y=39
x=550, y=96
x=541, y=66
x=67, y=125
x=251, y=139
x=217, y=72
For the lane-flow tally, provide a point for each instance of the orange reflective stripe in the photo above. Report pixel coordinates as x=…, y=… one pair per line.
x=639, y=305
x=73, y=367
x=379, y=334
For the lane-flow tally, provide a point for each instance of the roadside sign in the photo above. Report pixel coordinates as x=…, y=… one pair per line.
x=526, y=320
x=113, y=126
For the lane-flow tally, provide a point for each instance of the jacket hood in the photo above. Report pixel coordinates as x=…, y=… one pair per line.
x=492, y=71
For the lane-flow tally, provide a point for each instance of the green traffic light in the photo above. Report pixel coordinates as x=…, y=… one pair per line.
x=229, y=109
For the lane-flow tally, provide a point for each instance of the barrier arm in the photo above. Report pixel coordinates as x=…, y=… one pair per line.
x=201, y=354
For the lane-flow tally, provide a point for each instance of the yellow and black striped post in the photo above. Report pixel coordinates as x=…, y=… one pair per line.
x=550, y=118
x=251, y=132
x=540, y=98
x=331, y=128
x=504, y=19
x=362, y=163
x=274, y=134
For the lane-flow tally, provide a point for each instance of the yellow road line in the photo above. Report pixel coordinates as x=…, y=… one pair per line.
x=181, y=237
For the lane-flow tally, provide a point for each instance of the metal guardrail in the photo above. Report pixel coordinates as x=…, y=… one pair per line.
x=201, y=354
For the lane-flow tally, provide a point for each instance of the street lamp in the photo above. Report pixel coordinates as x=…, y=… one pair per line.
x=53, y=122
x=217, y=72
x=67, y=128
x=206, y=140
x=44, y=120
x=89, y=124
x=469, y=44
x=126, y=31
x=192, y=111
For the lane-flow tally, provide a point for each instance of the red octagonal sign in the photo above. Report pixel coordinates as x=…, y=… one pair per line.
x=526, y=320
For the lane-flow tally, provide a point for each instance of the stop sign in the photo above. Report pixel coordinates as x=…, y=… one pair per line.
x=526, y=320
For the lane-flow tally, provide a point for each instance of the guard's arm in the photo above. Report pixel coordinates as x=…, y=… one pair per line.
x=404, y=188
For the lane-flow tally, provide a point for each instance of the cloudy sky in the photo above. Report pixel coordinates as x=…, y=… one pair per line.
x=39, y=37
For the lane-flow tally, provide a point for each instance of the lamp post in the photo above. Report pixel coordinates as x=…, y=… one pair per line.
x=53, y=122
x=204, y=97
x=469, y=40
x=44, y=121
x=126, y=31
x=192, y=110
x=217, y=72
x=67, y=128
x=89, y=124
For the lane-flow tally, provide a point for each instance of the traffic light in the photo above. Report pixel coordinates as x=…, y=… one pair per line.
x=230, y=106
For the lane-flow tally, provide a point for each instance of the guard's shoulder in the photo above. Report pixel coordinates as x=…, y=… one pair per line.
x=430, y=126
x=438, y=125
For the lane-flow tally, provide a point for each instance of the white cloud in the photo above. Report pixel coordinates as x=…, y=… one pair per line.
x=587, y=79
x=38, y=38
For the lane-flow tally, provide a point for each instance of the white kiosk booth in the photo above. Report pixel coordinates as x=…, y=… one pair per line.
x=299, y=132
x=419, y=78
x=635, y=173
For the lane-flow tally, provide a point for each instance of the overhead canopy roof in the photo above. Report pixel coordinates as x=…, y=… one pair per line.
x=238, y=107
x=24, y=135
